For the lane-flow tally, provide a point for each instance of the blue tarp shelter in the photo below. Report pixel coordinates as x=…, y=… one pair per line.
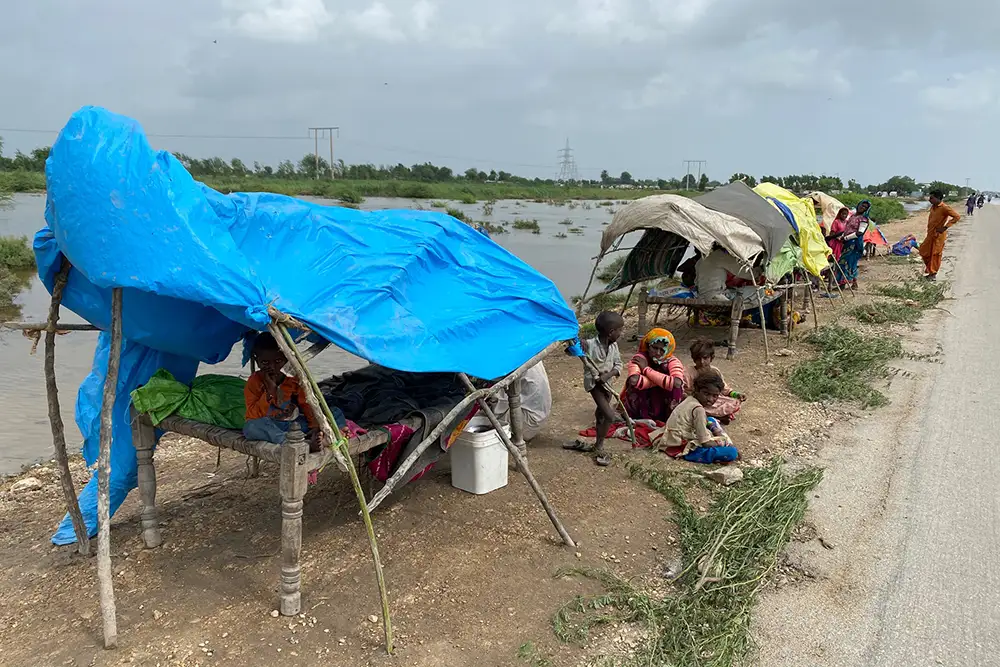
x=411, y=290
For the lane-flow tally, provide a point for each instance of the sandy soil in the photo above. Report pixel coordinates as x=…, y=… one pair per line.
x=470, y=577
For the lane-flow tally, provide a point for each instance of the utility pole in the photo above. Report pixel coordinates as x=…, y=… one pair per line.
x=687, y=170
x=323, y=132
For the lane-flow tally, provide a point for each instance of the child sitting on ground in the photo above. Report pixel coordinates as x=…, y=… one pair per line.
x=602, y=351
x=691, y=434
x=274, y=400
x=730, y=400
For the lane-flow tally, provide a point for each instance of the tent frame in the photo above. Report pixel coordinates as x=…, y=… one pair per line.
x=293, y=457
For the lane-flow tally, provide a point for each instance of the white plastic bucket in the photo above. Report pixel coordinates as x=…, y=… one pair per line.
x=479, y=458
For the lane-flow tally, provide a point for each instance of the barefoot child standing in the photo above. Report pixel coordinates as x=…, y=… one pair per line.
x=602, y=351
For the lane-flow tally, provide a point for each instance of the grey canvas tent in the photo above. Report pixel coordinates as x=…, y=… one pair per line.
x=739, y=201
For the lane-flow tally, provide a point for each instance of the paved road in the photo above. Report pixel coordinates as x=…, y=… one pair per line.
x=911, y=503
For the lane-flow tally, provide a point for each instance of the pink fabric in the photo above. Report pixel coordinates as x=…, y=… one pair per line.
x=837, y=244
x=381, y=467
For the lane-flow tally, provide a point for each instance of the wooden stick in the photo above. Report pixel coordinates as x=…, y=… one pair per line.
x=583, y=297
x=55, y=413
x=628, y=420
x=403, y=468
x=812, y=301
x=516, y=417
x=522, y=464
x=628, y=297
x=329, y=426
x=104, y=575
x=763, y=324
x=38, y=326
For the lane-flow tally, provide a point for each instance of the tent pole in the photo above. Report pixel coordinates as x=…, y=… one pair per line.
x=627, y=298
x=522, y=463
x=104, y=575
x=55, y=413
x=583, y=297
x=336, y=440
x=403, y=469
x=763, y=323
x=812, y=300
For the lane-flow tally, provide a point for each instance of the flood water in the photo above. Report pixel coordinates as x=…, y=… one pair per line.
x=24, y=429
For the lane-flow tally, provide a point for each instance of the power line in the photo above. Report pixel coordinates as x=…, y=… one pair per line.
x=349, y=142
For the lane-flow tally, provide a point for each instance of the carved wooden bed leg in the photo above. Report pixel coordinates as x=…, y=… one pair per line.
x=516, y=417
x=292, y=486
x=643, y=308
x=144, y=439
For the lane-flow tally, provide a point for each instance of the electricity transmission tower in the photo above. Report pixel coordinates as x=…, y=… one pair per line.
x=687, y=171
x=567, y=164
x=321, y=133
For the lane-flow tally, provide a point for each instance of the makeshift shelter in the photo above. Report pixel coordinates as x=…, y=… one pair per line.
x=174, y=274
x=829, y=207
x=739, y=201
x=801, y=215
x=670, y=224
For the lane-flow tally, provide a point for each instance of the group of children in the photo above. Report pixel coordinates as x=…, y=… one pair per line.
x=690, y=405
x=692, y=402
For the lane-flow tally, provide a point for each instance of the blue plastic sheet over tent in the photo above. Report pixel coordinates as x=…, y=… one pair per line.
x=411, y=290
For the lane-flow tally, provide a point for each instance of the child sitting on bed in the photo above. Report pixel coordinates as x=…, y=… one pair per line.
x=274, y=400
x=691, y=434
x=730, y=401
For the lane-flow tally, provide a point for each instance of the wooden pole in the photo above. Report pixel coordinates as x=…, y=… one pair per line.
x=337, y=440
x=522, y=464
x=763, y=324
x=628, y=297
x=38, y=326
x=104, y=574
x=583, y=297
x=55, y=413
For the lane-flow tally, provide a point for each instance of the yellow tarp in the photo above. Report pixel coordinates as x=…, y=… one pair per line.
x=815, y=252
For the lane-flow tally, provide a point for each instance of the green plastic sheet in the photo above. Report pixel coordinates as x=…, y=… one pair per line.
x=211, y=399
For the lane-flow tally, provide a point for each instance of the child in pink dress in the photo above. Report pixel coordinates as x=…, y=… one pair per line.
x=730, y=401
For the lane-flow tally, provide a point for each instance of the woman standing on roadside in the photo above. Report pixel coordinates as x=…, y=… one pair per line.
x=854, y=243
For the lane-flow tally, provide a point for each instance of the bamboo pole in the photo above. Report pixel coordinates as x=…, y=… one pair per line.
x=402, y=469
x=628, y=297
x=522, y=464
x=763, y=324
x=104, y=574
x=55, y=413
x=337, y=440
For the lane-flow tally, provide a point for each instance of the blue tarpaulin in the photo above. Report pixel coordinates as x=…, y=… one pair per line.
x=411, y=290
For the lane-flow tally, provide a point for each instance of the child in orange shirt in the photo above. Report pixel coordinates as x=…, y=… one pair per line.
x=274, y=400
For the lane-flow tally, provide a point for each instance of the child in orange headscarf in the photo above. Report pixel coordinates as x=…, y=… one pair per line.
x=655, y=382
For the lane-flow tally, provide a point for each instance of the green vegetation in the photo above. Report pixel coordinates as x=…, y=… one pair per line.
x=847, y=365
x=562, y=235
x=351, y=197
x=527, y=225
x=728, y=556
x=602, y=301
x=16, y=262
x=566, y=221
x=488, y=207
x=16, y=253
x=610, y=271
x=920, y=294
x=455, y=213
x=883, y=209
x=886, y=312
x=492, y=228
x=527, y=653
x=439, y=204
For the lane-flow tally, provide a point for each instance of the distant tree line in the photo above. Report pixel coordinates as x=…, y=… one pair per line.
x=311, y=167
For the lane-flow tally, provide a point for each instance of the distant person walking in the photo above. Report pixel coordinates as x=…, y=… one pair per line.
x=939, y=220
x=970, y=204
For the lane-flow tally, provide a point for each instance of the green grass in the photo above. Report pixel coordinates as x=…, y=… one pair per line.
x=527, y=653
x=16, y=253
x=492, y=228
x=886, y=312
x=610, y=271
x=602, y=301
x=588, y=330
x=921, y=293
x=847, y=365
x=527, y=225
x=883, y=209
x=463, y=191
x=351, y=197
x=439, y=204
x=728, y=556
x=455, y=213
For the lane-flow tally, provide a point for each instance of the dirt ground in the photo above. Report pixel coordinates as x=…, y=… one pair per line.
x=471, y=578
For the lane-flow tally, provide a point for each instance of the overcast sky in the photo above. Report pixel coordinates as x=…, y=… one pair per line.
x=863, y=88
